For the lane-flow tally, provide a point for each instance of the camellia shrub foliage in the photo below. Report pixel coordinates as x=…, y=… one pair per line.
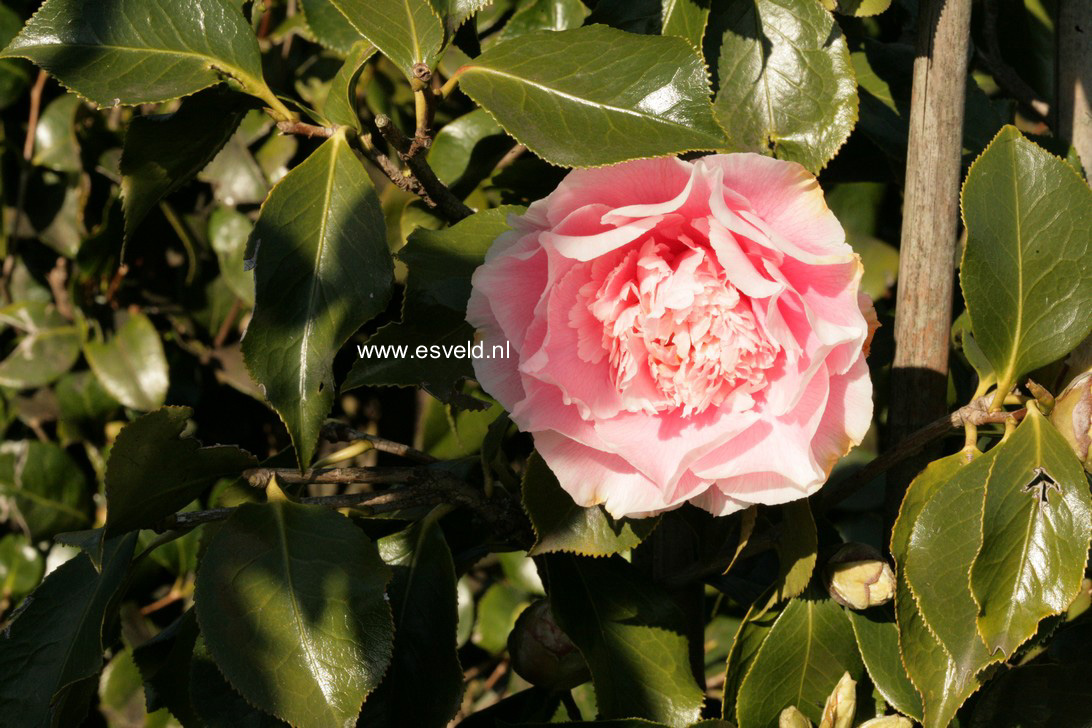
x=512, y=362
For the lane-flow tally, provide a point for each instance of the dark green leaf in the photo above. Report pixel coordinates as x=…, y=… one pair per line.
x=619, y=622
x=164, y=663
x=467, y=149
x=14, y=74
x=498, y=609
x=85, y=406
x=48, y=349
x=807, y=651
x=340, y=106
x=941, y=684
x=1036, y=696
x=164, y=151
x=21, y=566
x=275, y=155
x=290, y=602
x=434, y=308
x=121, y=695
x=131, y=365
x=1027, y=266
x=1036, y=524
x=55, y=144
x=786, y=82
x=322, y=270
x=563, y=95
x=422, y=594
x=561, y=525
x=216, y=703
x=153, y=471
x=545, y=15
x=235, y=175
x=57, y=641
x=44, y=486
x=878, y=640
x=752, y=632
x=686, y=19
x=229, y=230
x=796, y=545
x=141, y=51
x=406, y=31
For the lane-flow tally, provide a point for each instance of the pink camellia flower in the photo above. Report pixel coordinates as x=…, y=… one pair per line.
x=680, y=332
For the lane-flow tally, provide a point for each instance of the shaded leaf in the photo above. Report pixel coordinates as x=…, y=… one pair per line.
x=806, y=652
x=121, y=696
x=1027, y=266
x=229, y=230
x=560, y=93
x=131, y=365
x=164, y=663
x=1037, y=522
x=57, y=642
x=406, y=31
x=878, y=640
x=45, y=487
x=290, y=603
x=85, y=406
x=164, y=151
x=618, y=620
x=440, y=263
x=797, y=544
x=216, y=703
x=544, y=15
x=752, y=632
x=786, y=82
x=857, y=8
x=322, y=270
x=49, y=347
x=562, y=525
x=422, y=593
x=153, y=444
x=498, y=609
x=466, y=151
x=21, y=566
x=55, y=144
x=140, y=51
x=234, y=173
x=340, y=105
x=1036, y=696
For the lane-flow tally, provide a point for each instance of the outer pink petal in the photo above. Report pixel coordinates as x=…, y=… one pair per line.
x=499, y=377
x=847, y=417
x=643, y=181
x=515, y=282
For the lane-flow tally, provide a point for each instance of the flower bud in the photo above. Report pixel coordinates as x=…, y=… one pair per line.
x=542, y=654
x=791, y=717
x=841, y=705
x=1072, y=416
x=888, y=721
x=859, y=577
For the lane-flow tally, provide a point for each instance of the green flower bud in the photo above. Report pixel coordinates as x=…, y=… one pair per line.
x=888, y=721
x=859, y=577
x=791, y=717
x=841, y=705
x=1072, y=416
x=542, y=654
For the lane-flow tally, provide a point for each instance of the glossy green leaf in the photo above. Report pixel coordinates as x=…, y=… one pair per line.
x=942, y=685
x=183, y=469
x=807, y=651
x=786, y=82
x=561, y=94
x=466, y=151
x=1027, y=265
x=1037, y=522
x=618, y=621
x=141, y=51
x=131, y=364
x=216, y=703
x=49, y=347
x=455, y=12
x=942, y=546
x=56, y=644
x=422, y=594
x=55, y=144
x=164, y=151
x=544, y=15
x=406, y=31
x=752, y=632
x=686, y=19
x=434, y=308
x=44, y=486
x=797, y=551
x=21, y=566
x=322, y=270
x=878, y=640
x=290, y=601
x=562, y=525
x=340, y=105
x=857, y=8
x=229, y=230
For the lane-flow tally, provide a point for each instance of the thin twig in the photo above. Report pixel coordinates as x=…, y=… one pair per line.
x=976, y=413
x=438, y=194
x=228, y=323
x=57, y=278
x=512, y=155
x=302, y=128
x=339, y=432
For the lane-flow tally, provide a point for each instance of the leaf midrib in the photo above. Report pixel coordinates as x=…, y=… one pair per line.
x=1010, y=368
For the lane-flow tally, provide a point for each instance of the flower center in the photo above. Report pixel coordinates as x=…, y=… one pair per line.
x=676, y=331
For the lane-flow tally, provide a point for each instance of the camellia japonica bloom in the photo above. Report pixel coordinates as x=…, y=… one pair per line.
x=679, y=331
